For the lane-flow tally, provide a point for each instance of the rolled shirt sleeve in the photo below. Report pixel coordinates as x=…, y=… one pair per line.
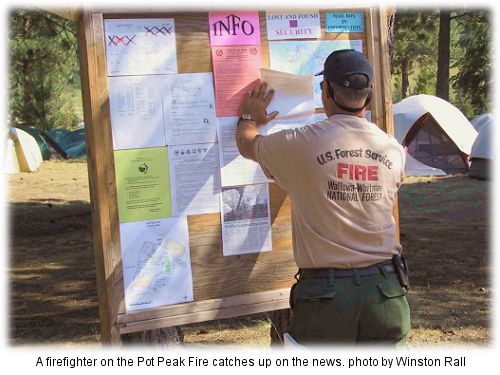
x=275, y=154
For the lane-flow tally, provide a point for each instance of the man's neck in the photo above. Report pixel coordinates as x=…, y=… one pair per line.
x=340, y=111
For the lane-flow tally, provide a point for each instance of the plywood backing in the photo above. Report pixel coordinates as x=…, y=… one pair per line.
x=223, y=286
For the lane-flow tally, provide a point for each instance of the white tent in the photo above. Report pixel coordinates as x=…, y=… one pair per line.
x=479, y=121
x=434, y=132
x=415, y=168
x=482, y=153
x=22, y=152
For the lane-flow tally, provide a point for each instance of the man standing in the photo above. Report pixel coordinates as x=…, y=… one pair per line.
x=342, y=175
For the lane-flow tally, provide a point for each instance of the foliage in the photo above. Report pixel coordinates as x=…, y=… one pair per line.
x=415, y=47
x=43, y=67
x=473, y=80
x=416, y=44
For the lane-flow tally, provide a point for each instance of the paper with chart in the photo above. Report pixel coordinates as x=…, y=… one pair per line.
x=235, y=169
x=140, y=46
x=194, y=178
x=142, y=184
x=293, y=94
x=156, y=263
x=245, y=218
x=136, y=112
x=189, y=107
x=307, y=58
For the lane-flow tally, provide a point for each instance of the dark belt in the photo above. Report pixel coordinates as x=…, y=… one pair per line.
x=315, y=273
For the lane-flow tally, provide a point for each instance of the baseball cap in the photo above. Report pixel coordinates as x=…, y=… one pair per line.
x=341, y=64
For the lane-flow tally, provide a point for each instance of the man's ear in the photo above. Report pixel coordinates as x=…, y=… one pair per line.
x=325, y=89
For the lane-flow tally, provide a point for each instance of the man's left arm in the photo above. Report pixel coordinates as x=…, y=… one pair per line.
x=254, y=115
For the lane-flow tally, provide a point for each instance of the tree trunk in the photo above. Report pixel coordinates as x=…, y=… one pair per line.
x=443, y=71
x=164, y=337
x=405, y=84
x=279, y=325
x=27, y=62
x=391, y=17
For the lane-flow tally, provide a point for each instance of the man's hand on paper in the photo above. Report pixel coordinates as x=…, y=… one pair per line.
x=256, y=102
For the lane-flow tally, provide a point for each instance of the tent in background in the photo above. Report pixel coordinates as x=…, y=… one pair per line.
x=434, y=132
x=71, y=144
x=58, y=133
x=482, y=154
x=415, y=168
x=479, y=121
x=22, y=154
x=40, y=139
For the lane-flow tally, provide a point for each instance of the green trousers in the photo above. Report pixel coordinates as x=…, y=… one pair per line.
x=350, y=310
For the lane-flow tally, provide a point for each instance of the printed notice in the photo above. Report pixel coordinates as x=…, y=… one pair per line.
x=307, y=58
x=246, y=223
x=140, y=46
x=194, y=179
x=156, y=263
x=293, y=94
x=142, y=184
x=296, y=25
x=234, y=28
x=189, y=106
x=344, y=22
x=235, y=169
x=236, y=71
x=136, y=112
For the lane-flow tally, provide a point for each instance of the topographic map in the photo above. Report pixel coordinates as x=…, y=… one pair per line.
x=307, y=58
x=156, y=263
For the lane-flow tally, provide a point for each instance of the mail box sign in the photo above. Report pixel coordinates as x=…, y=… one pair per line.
x=344, y=23
x=234, y=28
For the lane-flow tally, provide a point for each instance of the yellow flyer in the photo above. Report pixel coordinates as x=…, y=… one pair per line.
x=143, y=184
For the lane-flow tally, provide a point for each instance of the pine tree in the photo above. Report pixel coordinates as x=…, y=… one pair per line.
x=43, y=64
x=415, y=45
x=473, y=80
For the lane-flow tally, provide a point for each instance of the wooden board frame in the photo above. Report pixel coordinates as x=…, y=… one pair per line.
x=236, y=285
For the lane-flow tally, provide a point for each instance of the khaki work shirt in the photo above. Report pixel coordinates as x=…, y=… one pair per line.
x=342, y=175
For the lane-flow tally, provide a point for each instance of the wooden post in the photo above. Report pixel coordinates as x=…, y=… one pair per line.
x=386, y=89
x=101, y=179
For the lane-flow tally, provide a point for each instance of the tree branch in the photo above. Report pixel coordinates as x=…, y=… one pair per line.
x=460, y=15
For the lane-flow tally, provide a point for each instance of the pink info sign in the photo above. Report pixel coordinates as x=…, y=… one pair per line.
x=234, y=28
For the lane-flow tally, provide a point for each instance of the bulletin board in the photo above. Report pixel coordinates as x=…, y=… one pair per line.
x=223, y=286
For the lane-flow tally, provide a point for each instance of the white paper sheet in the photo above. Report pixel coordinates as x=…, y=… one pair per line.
x=307, y=58
x=293, y=94
x=136, y=112
x=156, y=263
x=285, y=124
x=189, y=107
x=194, y=179
x=293, y=24
x=140, y=46
x=235, y=169
x=245, y=218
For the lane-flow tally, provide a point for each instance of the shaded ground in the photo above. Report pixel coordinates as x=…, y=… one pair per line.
x=444, y=228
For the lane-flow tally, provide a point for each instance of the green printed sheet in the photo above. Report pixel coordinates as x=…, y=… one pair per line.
x=143, y=184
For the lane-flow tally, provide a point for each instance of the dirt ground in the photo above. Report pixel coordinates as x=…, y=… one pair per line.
x=444, y=231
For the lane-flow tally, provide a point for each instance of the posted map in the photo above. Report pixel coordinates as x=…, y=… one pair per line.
x=307, y=58
x=156, y=263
